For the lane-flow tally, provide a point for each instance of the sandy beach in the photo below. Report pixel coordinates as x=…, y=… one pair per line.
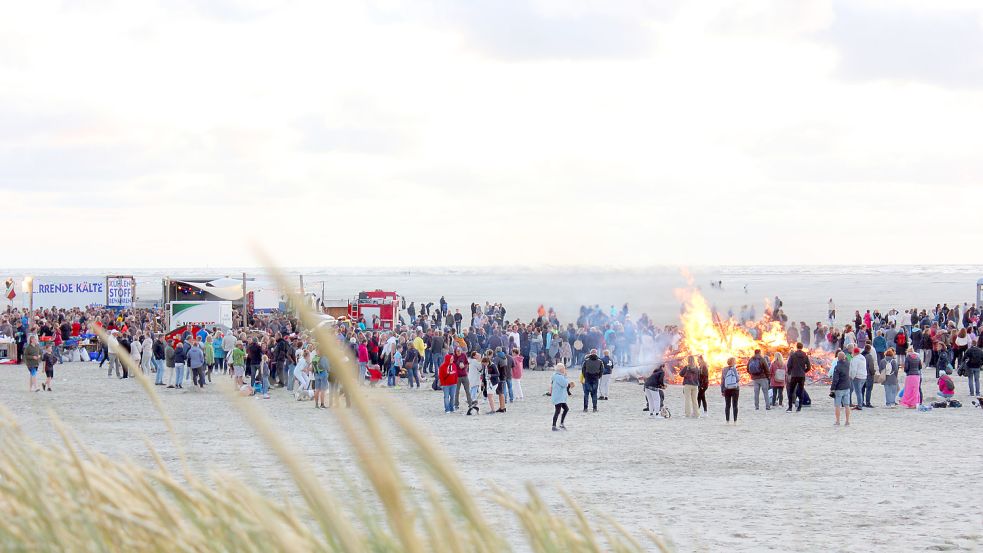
x=895, y=480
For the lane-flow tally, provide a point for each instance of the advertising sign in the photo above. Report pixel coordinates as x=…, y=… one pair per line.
x=119, y=292
x=68, y=292
x=200, y=313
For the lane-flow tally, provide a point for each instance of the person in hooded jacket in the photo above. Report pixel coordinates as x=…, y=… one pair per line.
x=591, y=371
x=461, y=365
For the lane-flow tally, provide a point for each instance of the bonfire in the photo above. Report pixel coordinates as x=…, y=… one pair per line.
x=704, y=333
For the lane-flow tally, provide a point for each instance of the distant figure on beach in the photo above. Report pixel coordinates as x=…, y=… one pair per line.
x=831, y=310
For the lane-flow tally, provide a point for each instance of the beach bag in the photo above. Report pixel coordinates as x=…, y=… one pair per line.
x=780, y=375
x=939, y=405
x=731, y=379
x=879, y=378
x=666, y=414
x=955, y=403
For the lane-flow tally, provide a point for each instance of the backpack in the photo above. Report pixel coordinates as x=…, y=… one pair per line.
x=754, y=366
x=901, y=339
x=731, y=380
x=780, y=375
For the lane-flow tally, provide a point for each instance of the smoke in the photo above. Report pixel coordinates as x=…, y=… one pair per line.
x=652, y=352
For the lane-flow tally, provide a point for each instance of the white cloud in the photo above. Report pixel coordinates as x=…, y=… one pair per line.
x=401, y=133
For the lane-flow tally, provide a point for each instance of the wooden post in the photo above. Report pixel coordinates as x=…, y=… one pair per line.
x=244, y=306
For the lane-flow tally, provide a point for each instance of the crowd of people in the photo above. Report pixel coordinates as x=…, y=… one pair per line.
x=482, y=355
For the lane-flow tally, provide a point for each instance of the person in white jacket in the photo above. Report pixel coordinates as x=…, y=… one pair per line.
x=147, y=355
x=858, y=377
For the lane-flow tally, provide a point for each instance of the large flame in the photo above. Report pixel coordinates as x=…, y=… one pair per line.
x=716, y=340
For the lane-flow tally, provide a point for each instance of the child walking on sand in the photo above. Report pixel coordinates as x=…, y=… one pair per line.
x=559, y=393
x=49, y=359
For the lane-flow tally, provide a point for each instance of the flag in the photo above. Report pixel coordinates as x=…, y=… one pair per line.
x=10, y=293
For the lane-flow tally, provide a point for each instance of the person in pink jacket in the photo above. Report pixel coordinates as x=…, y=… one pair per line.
x=517, y=361
x=363, y=361
x=779, y=373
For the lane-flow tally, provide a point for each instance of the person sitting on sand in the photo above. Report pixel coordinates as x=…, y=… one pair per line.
x=947, y=388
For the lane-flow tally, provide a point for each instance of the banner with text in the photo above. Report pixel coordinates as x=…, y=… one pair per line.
x=119, y=292
x=67, y=292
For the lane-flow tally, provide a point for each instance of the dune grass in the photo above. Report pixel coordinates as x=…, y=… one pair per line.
x=67, y=497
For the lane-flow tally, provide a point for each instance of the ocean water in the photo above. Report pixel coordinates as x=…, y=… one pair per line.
x=804, y=290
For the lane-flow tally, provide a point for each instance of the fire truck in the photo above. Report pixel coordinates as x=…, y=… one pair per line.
x=375, y=304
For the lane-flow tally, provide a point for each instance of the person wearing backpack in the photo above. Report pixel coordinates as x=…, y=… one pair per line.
x=591, y=371
x=889, y=372
x=757, y=367
x=901, y=342
x=730, y=388
x=779, y=372
x=798, y=366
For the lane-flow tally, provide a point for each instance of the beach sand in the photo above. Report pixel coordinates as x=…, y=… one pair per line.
x=895, y=480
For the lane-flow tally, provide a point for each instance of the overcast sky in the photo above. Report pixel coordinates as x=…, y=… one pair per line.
x=144, y=134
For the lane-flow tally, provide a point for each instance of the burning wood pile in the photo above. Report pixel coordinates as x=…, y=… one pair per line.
x=704, y=333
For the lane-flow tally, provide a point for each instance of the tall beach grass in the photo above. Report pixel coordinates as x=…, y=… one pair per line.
x=67, y=497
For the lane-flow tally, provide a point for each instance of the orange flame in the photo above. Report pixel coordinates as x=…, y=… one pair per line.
x=702, y=334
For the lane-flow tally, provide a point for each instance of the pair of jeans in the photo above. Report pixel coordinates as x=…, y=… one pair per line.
x=858, y=390
x=508, y=388
x=890, y=394
x=730, y=402
x=449, y=392
x=868, y=388
x=590, y=391
x=973, y=376
x=777, y=393
x=178, y=374
x=198, y=377
x=701, y=399
x=289, y=368
x=391, y=377
x=428, y=362
x=763, y=385
x=159, y=364
x=413, y=375
x=796, y=387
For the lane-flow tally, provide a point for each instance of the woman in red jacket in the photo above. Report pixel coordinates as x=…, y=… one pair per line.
x=447, y=375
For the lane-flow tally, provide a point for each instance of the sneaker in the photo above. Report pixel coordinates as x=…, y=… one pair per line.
x=646, y=409
x=846, y=424
x=563, y=427
x=170, y=386
x=555, y=429
x=836, y=423
x=595, y=409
